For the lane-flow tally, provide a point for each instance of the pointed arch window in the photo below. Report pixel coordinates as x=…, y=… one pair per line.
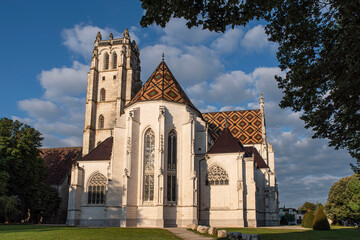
x=102, y=95
x=217, y=176
x=106, y=61
x=171, y=167
x=114, y=60
x=149, y=156
x=97, y=189
x=101, y=121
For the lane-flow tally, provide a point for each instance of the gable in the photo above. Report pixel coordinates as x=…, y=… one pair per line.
x=162, y=85
x=245, y=125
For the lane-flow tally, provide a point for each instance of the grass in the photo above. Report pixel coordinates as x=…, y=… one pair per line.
x=336, y=233
x=15, y=232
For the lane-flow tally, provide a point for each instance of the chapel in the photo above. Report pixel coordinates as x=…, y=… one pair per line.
x=150, y=158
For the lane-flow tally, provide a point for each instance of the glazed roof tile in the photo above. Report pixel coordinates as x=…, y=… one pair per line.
x=244, y=125
x=101, y=152
x=59, y=161
x=257, y=157
x=162, y=85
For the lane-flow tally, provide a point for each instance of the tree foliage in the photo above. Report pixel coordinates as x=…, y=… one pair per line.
x=307, y=221
x=22, y=172
x=307, y=206
x=344, y=199
x=320, y=220
x=318, y=50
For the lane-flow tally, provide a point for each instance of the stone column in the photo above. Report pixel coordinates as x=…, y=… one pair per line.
x=75, y=194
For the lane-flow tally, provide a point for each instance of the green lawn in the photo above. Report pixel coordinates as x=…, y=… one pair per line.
x=338, y=233
x=15, y=232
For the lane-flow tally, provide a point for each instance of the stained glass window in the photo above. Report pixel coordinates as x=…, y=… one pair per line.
x=149, y=156
x=97, y=189
x=114, y=60
x=101, y=121
x=106, y=61
x=171, y=167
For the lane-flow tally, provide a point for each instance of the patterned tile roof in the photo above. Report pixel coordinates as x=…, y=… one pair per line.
x=244, y=125
x=101, y=152
x=59, y=161
x=162, y=85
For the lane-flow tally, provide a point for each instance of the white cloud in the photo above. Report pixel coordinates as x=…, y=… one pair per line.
x=41, y=109
x=189, y=64
x=64, y=80
x=176, y=32
x=80, y=39
x=255, y=39
x=227, y=42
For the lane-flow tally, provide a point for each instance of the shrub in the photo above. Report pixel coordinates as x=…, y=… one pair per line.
x=283, y=221
x=308, y=220
x=320, y=220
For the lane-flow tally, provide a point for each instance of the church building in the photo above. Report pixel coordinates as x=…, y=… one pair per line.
x=150, y=158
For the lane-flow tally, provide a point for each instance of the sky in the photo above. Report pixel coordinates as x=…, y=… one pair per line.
x=45, y=58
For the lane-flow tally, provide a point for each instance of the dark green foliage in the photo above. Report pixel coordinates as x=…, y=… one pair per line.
x=307, y=206
x=283, y=221
x=318, y=48
x=307, y=221
x=320, y=220
x=344, y=199
x=22, y=173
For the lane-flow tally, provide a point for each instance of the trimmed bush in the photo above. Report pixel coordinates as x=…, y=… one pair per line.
x=320, y=220
x=283, y=221
x=307, y=221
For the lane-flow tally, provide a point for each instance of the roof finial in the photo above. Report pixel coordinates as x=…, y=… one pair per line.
x=261, y=98
x=163, y=56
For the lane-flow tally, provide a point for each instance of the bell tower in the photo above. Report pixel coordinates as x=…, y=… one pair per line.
x=113, y=79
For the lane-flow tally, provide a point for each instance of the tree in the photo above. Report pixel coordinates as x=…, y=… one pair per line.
x=320, y=220
x=22, y=171
x=307, y=206
x=344, y=199
x=318, y=50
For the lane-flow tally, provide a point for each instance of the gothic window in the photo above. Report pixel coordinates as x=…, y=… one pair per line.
x=97, y=189
x=102, y=95
x=171, y=167
x=149, y=156
x=106, y=61
x=217, y=176
x=101, y=121
x=114, y=60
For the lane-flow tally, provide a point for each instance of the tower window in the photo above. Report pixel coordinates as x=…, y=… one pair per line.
x=106, y=61
x=171, y=167
x=114, y=60
x=114, y=77
x=102, y=95
x=97, y=189
x=103, y=78
x=149, y=156
x=101, y=122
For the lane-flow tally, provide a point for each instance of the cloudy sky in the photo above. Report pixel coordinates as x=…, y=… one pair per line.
x=46, y=50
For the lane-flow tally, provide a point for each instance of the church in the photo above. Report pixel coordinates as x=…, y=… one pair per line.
x=150, y=158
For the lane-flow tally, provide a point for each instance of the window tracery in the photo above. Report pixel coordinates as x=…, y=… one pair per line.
x=102, y=95
x=97, y=189
x=101, y=122
x=217, y=176
x=114, y=60
x=106, y=61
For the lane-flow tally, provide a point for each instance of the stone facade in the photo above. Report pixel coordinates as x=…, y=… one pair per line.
x=156, y=154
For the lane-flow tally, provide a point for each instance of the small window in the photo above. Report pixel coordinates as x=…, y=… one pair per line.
x=103, y=78
x=97, y=189
x=106, y=61
x=102, y=95
x=114, y=60
x=101, y=122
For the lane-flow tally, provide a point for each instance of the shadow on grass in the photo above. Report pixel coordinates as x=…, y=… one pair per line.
x=298, y=234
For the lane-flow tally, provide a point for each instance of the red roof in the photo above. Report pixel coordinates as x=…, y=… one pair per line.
x=226, y=143
x=59, y=161
x=101, y=152
x=257, y=157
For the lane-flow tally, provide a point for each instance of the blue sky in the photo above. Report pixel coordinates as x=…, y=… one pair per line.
x=46, y=54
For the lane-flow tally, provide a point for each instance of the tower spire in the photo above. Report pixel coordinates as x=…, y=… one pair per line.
x=163, y=56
